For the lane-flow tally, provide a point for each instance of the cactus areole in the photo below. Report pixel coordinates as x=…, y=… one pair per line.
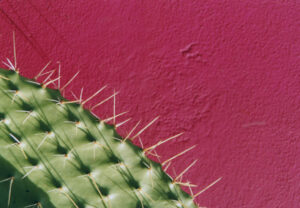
x=55, y=153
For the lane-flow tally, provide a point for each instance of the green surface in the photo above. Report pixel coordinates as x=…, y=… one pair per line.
x=59, y=155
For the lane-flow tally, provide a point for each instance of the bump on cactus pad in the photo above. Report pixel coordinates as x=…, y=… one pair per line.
x=55, y=153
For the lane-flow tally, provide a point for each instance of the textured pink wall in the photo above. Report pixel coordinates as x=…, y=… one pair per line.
x=227, y=74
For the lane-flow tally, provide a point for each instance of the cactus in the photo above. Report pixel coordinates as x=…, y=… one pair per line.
x=56, y=153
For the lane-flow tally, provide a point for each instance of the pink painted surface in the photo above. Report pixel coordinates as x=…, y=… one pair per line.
x=227, y=74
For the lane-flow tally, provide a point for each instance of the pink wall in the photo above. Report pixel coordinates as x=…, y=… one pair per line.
x=227, y=74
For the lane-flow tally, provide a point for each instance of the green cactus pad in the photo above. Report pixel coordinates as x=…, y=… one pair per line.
x=54, y=153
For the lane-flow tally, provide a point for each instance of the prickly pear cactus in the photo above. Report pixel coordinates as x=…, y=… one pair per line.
x=55, y=153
